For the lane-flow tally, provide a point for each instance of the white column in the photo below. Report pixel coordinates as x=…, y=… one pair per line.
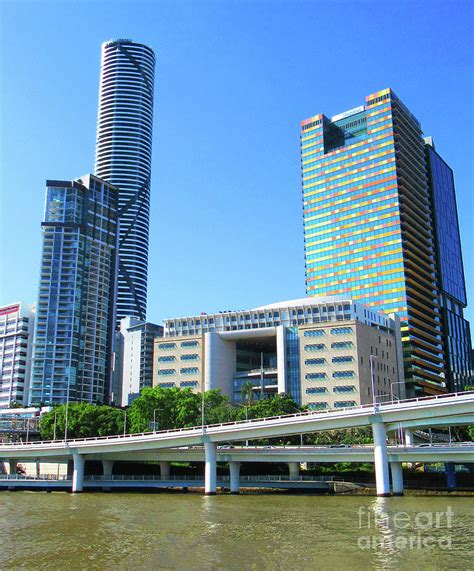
x=107, y=467
x=210, y=340
x=78, y=473
x=381, y=459
x=234, y=477
x=408, y=437
x=165, y=468
x=294, y=468
x=13, y=466
x=397, y=478
x=210, y=471
x=281, y=359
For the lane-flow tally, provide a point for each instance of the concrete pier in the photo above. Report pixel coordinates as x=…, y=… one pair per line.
x=397, y=478
x=234, y=477
x=381, y=459
x=210, y=471
x=78, y=473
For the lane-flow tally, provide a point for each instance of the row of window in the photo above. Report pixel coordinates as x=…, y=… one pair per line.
x=335, y=375
x=183, y=371
x=183, y=384
x=172, y=345
x=322, y=390
x=337, y=404
x=170, y=358
x=337, y=359
x=334, y=331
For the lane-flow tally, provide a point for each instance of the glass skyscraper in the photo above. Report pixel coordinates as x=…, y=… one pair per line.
x=368, y=224
x=455, y=329
x=75, y=308
x=123, y=158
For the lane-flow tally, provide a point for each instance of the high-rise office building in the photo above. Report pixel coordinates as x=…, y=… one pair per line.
x=123, y=158
x=368, y=224
x=75, y=311
x=449, y=265
x=16, y=342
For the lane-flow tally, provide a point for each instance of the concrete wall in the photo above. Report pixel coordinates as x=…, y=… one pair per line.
x=220, y=363
x=175, y=348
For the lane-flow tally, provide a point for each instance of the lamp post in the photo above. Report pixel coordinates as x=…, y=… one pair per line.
x=27, y=428
x=67, y=410
x=372, y=380
x=154, y=418
x=55, y=419
x=125, y=422
x=202, y=409
x=391, y=389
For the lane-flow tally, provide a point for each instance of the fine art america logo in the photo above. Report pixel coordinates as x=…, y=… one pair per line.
x=402, y=530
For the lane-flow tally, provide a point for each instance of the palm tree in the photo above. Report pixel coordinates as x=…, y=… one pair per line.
x=246, y=392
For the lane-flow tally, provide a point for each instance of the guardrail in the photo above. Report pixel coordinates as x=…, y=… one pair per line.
x=378, y=407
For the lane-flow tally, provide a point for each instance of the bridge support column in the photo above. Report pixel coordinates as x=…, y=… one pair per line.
x=38, y=468
x=408, y=437
x=13, y=466
x=107, y=467
x=294, y=468
x=397, y=478
x=381, y=459
x=3, y=468
x=165, y=467
x=234, y=477
x=450, y=475
x=210, y=471
x=78, y=473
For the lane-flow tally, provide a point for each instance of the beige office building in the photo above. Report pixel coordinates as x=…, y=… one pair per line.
x=318, y=350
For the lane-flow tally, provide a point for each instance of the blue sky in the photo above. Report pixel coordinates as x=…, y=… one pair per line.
x=233, y=81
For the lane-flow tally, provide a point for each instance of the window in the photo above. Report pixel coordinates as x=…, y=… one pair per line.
x=314, y=333
x=185, y=384
x=166, y=345
x=189, y=370
x=190, y=357
x=189, y=343
x=343, y=374
x=343, y=359
x=316, y=390
x=166, y=359
x=344, y=389
x=315, y=361
x=317, y=405
x=342, y=345
x=341, y=331
x=166, y=385
x=313, y=376
x=167, y=372
x=344, y=403
x=316, y=347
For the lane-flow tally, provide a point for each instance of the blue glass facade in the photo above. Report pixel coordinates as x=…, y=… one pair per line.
x=456, y=332
x=293, y=364
x=75, y=309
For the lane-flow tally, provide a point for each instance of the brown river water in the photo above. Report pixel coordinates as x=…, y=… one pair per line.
x=270, y=531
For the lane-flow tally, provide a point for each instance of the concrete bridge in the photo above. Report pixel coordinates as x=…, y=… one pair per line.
x=443, y=410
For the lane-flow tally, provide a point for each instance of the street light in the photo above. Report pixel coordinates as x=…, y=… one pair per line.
x=55, y=418
x=125, y=422
x=372, y=379
x=391, y=389
x=154, y=418
x=67, y=410
x=27, y=428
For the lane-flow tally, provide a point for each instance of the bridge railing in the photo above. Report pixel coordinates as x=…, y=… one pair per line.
x=362, y=409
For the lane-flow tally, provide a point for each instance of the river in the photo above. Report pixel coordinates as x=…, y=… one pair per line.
x=269, y=531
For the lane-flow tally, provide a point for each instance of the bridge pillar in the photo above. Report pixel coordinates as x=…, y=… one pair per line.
x=234, y=477
x=13, y=466
x=450, y=475
x=294, y=468
x=381, y=459
x=107, y=467
x=165, y=467
x=397, y=478
x=38, y=468
x=3, y=468
x=210, y=471
x=78, y=473
x=408, y=437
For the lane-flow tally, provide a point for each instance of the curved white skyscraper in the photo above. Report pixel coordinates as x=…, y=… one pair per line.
x=123, y=158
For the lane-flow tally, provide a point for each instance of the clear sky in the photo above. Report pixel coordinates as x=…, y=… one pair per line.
x=233, y=81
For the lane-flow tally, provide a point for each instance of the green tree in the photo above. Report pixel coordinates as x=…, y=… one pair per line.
x=247, y=394
x=84, y=420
